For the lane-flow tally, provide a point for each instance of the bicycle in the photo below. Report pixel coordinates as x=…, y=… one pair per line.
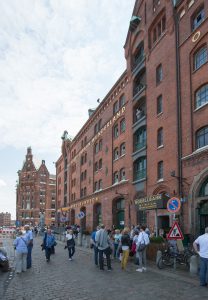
x=168, y=256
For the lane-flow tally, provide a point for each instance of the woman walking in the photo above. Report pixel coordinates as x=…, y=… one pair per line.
x=20, y=245
x=125, y=246
x=48, y=243
x=70, y=240
x=142, y=242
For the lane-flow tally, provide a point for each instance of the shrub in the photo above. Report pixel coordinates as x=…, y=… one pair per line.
x=157, y=239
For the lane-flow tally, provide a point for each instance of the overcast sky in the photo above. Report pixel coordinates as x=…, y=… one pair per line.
x=56, y=59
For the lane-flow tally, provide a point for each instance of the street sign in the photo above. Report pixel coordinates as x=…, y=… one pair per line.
x=81, y=215
x=175, y=232
x=173, y=205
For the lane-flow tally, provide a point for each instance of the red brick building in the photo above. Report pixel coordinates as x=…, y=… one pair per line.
x=36, y=193
x=5, y=219
x=125, y=176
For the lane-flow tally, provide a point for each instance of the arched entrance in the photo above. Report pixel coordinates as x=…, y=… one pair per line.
x=83, y=220
x=199, y=203
x=97, y=215
x=72, y=217
x=119, y=213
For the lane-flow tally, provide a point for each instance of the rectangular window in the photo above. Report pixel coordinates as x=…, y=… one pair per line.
x=160, y=170
x=198, y=18
x=200, y=58
x=159, y=105
x=159, y=74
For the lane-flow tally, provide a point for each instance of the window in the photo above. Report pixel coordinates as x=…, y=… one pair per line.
x=96, y=186
x=96, y=128
x=140, y=138
x=100, y=163
x=82, y=176
x=200, y=57
x=123, y=125
x=99, y=124
x=140, y=168
x=123, y=149
x=100, y=144
x=115, y=107
x=139, y=55
x=96, y=148
x=160, y=137
x=115, y=154
x=158, y=30
x=85, y=140
x=202, y=137
x=82, y=160
x=122, y=174
x=201, y=96
x=100, y=184
x=85, y=174
x=82, y=143
x=159, y=74
x=159, y=104
x=81, y=193
x=96, y=166
x=115, y=177
x=122, y=101
x=160, y=170
x=85, y=157
x=115, y=131
x=85, y=191
x=204, y=189
x=198, y=18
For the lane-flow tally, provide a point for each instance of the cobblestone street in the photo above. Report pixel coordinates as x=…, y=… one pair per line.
x=80, y=279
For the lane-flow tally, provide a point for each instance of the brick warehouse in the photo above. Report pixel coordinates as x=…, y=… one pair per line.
x=147, y=140
x=36, y=193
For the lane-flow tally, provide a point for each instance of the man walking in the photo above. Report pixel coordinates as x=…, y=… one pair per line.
x=94, y=245
x=29, y=240
x=102, y=241
x=201, y=247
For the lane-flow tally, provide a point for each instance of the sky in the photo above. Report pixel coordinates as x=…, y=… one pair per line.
x=57, y=57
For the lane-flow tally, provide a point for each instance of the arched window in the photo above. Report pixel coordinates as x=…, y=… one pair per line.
x=140, y=138
x=122, y=149
x=200, y=57
x=202, y=137
x=201, y=97
x=122, y=101
x=122, y=174
x=96, y=147
x=100, y=144
x=204, y=189
x=115, y=131
x=115, y=107
x=123, y=125
x=115, y=177
x=140, y=166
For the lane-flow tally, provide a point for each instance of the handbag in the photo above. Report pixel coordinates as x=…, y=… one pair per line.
x=142, y=246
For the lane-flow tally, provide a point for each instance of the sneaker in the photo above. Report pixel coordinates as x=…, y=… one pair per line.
x=70, y=258
x=110, y=269
x=139, y=270
x=144, y=269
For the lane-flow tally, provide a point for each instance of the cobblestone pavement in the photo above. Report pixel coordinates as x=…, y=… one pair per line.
x=81, y=280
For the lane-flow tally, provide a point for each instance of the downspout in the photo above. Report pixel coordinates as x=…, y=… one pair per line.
x=178, y=93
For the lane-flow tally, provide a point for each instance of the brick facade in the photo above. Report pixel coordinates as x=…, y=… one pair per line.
x=166, y=134
x=5, y=219
x=36, y=193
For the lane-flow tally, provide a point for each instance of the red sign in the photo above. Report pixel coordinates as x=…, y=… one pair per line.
x=175, y=232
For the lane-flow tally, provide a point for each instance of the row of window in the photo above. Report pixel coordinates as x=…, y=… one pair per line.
x=140, y=169
x=118, y=152
x=83, y=176
x=98, y=165
x=118, y=104
x=83, y=159
x=119, y=176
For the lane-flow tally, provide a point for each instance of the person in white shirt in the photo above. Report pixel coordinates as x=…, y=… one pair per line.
x=70, y=241
x=201, y=248
x=142, y=242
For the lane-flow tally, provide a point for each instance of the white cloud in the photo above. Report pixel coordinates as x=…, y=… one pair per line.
x=2, y=183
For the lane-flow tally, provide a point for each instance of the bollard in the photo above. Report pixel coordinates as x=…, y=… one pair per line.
x=79, y=239
x=159, y=254
x=194, y=264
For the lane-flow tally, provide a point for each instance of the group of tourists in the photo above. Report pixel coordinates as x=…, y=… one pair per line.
x=120, y=245
x=107, y=244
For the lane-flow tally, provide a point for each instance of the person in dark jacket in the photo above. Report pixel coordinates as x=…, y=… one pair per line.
x=48, y=242
x=70, y=243
x=125, y=246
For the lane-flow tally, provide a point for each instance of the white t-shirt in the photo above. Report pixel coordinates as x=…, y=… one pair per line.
x=69, y=236
x=202, y=241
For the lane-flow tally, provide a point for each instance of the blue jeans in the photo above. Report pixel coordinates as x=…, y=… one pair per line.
x=29, y=256
x=203, y=270
x=48, y=253
x=96, y=251
x=71, y=251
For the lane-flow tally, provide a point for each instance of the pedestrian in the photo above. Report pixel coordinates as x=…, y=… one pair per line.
x=4, y=261
x=93, y=245
x=117, y=239
x=29, y=239
x=142, y=242
x=21, y=248
x=102, y=240
x=125, y=246
x=48, y=243
x=70, y=241
x=201, y=248
x=134, y=246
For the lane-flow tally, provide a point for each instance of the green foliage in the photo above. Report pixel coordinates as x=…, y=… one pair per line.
x=157, y=239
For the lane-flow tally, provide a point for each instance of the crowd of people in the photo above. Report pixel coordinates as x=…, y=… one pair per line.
x=107, y=244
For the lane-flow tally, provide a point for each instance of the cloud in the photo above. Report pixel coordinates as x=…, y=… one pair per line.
x=2, y=183
x=55, y=62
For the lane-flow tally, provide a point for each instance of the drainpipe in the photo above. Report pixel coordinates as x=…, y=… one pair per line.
x=178, y=92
